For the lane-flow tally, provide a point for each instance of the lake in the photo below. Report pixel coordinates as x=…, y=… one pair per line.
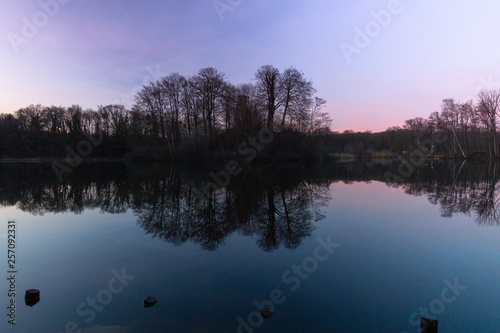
x=358, y=247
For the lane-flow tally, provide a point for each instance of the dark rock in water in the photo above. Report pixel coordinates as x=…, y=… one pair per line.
x=32, y=301
x=266, y=312
x=149, y=301
x=428, y=325
x=32, y=297
x=32, y=293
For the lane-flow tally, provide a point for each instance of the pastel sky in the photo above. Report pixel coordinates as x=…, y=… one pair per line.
x=98, y=52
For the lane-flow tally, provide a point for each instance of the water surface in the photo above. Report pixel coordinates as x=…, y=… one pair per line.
x=209, y=257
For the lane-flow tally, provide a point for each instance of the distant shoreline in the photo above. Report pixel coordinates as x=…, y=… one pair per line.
x=332, y=157
x=56, y=159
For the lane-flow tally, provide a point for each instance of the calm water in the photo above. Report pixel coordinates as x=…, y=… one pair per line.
x=336, y=247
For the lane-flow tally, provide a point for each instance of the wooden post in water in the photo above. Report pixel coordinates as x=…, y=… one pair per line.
x=428, y=325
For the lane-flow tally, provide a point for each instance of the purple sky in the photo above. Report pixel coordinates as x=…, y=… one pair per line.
x=100, y=52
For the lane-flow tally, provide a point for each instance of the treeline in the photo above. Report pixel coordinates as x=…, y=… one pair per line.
x=171, y=117
x=204, y=116
x=468, y=130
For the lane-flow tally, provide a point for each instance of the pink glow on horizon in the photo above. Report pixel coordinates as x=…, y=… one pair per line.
x=92, y=53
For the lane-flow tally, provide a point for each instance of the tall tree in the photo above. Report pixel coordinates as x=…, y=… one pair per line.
x=488, y=111
x=319, y=120
x=269, y=88
x=209, y=84
x=296, y=91
x=416, y=126
x=152, y=99
x=229, y=101
x=173, y=87
x=189, y=107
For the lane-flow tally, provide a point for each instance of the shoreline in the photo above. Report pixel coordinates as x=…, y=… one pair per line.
x=57, y=159
x=123, y=159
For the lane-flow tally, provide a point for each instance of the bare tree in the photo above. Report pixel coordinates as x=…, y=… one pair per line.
x=189, y=107
x=209, y=83
x=296, y=91
x=74, y=121
x=228, y=102
x=152, y=99
x=319, y=120
x=54, y=117
x=487, y=111
x=172, y=85
x=450, y=115
x=416, y=126
x=269, y=88
x=119, y=120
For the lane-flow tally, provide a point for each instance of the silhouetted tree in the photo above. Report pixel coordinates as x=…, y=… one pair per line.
x=270, y=90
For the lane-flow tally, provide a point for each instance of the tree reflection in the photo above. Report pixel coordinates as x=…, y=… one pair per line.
x=256, y=204
x=459, y=188
x=278, y=207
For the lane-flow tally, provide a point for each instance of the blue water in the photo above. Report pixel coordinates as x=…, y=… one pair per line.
x=393, y=252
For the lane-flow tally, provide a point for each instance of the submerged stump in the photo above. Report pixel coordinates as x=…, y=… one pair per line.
x=149, y=301
x=266, y=312
x=428, y=325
